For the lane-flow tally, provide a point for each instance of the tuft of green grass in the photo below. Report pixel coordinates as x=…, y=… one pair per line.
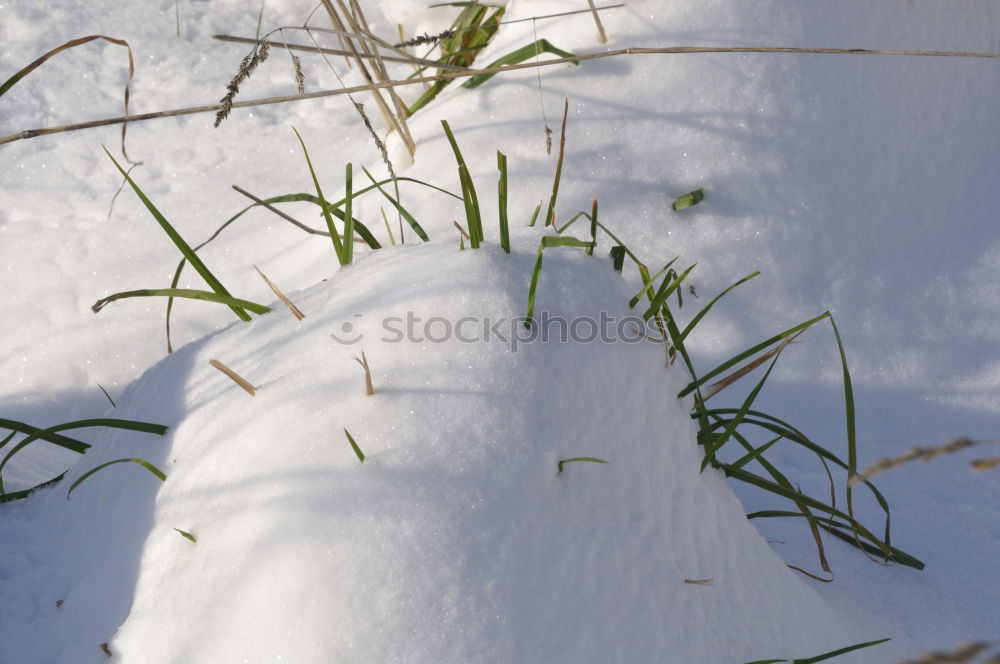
x=689, y=199
x=354, y=446
x=142, y=462
x=52, y=435
x=563, y=462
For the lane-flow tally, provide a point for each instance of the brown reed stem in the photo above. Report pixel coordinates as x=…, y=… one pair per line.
x=672, y=50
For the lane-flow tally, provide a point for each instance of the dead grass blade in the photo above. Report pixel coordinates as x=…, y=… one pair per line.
x=363, y=361
x=236, y=378
x=671, y=50
x=281, y=296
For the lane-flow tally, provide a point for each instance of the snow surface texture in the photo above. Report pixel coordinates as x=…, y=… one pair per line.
x=456, y=540
x=867, y=186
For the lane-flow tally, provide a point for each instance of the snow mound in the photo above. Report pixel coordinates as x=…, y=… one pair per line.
x=457, y=539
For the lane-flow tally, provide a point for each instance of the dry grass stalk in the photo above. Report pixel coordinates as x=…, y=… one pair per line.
x=699, y=582
x=722, y=384
x=404, y=58
x=462, y=231
x=420, y=40
x=982, y=465
x=964, y=653
x=363, y=361
x=105, y=649
x=921, y=453
x=597, y=20
x=236, y=378
x=672, y=50
x=360, y=24
x=281, y=296
x=338, y=24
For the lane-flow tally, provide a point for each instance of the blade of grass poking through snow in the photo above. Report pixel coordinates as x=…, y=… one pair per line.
x=852, y=441
x=618, y=257
x=550, y=213
x=563, y=462
x=689, y=199
x=179, y=241
x=324, y=206
x=417, y=228
x=518, y=56
x=824, y=656
x=105, y=394
x=534, y=217
x=186, y=535
x=354, y=446
x=142, y=462
x=348, y=210
x=647, y=280
x=48, y=435
x=547, y=242
x=186, y=293
x=472, y=215
x=502, y=201
x=736, y=359
x=715, y=445
x=593, y=227
x=666, y=289
x=708, y=307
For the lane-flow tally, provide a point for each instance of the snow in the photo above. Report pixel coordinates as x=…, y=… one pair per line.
x=867, y=186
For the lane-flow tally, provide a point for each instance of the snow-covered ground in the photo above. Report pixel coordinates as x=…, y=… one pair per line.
x=863, y=185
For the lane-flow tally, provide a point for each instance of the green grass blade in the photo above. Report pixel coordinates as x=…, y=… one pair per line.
x=755, y=453
x=839, y=652
x=187, y=535
x=721, y=440
x=665, y=291
x=618, y=257
x=547, y=242
x=187, y=293
x=69, y=443
x=142, y=462
x=736, y=359
x=534, y=217
x=518, y=56
x=472, y=215
x=550, y=213
x=338, y=247
x=647, y=288
x=852, y=441
x=563, y=462
x=348, y=218
x=417, y=228
x=24, y=493
x=689, y=199
x=593, y=227
x=502, y=201
x=354, y=446
x=178, y=241
x=704, y=310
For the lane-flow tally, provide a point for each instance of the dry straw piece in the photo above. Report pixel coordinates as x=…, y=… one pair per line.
x=672, y=50
x=923, y=454
x=962, y=654
x=281, y=296
x=699, y=582
x=236, y=378
x=363, y=361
